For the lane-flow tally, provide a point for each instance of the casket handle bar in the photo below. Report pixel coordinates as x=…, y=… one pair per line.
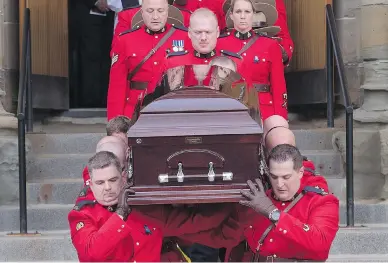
x=179, y=177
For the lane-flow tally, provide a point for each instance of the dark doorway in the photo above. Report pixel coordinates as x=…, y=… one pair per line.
x=90, y=38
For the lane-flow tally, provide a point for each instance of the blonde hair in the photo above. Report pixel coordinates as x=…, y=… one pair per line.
x=204, y=12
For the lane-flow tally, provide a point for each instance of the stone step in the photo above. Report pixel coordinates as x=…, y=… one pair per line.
x=361, y=240
x=42, y=166
x=41, y=217
x=65, y=191
x=358, y=258
x=315, y=139
x=351, y=245
x=54, y=216
x=327, y=162
x=64, y=143
x=54, y=143
x=56, y=165
x=54, y=246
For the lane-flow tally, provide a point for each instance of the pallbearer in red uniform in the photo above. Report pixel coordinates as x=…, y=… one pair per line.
x=104, y=227
x=138, y=53
x=283, y=36
x=262, y=55
x=203, y=33
x=297, y=220
x=213, y=5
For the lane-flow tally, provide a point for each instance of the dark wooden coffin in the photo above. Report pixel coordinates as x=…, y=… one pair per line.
x=193, y=145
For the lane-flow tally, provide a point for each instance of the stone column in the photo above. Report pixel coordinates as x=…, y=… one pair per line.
x=371, y=119
x=9, y=64
x=375, y=54
x=348, y=19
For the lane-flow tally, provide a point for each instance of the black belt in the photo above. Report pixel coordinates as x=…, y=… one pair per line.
x=274, y=258
x=262, y=87
x=138, y=85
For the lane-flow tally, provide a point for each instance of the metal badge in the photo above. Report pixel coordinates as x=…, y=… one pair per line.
x=256, y=59
x=79, y=226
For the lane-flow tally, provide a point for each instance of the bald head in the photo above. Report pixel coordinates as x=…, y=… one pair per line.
x=273, y=121
x=115, y=145
x=204, y=13
x=203, y=30
x=277, y=136
x=276, y=131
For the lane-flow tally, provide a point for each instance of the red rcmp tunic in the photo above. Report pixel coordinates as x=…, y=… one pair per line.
x=263, y=70
x=286, y=40
x=129, y=50
x=306, y=232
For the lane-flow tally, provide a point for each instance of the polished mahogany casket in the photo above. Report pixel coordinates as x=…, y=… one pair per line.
x=194, y=145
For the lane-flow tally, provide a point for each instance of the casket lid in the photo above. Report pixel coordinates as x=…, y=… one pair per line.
x=194, y=100
x=178, y=115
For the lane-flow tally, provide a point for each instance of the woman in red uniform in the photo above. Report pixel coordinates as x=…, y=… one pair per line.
x=262, y=57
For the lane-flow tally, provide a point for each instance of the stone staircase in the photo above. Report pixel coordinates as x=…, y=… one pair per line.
x=57, y=158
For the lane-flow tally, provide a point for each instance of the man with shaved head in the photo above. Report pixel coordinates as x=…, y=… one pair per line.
x=203, y=33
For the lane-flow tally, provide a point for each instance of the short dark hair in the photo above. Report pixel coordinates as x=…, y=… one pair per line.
x=285, y=152
x=103, y=160
x=118, y=124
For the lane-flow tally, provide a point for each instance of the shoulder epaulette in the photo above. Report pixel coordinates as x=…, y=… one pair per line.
x=178, y=53
x=309, y=170
x=226, y=34
x=83, y=191
x=231, y=54
x=315, y=189
x=131, y=7
x=129, y=31
x=78, y=206
x=181, y=28
x=184, y=9
x=261, y=34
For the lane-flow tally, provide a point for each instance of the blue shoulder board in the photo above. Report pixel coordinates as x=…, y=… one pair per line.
x=181, y=28
x=129, y=31
x=231, y=54
x=178, y=53
x=184, y=9
x=131, y=7
x=226, y=34
x=78, y=206
x=83, y=191
x=316, y=190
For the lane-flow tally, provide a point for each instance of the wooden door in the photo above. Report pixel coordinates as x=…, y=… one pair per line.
x=49, y=37
x=307, y=24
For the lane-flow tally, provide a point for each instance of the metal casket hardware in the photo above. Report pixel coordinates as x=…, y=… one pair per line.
x=227, y=176
x=180, y=176
x=163, y=178
x=211, y=175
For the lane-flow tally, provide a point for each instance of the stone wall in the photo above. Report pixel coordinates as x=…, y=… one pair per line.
x=9, y=65
x=371, y=119
x=348, y=18
x=9, y=52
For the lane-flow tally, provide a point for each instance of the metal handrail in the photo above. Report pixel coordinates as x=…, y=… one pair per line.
x=334, y=55
x=24, y=112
